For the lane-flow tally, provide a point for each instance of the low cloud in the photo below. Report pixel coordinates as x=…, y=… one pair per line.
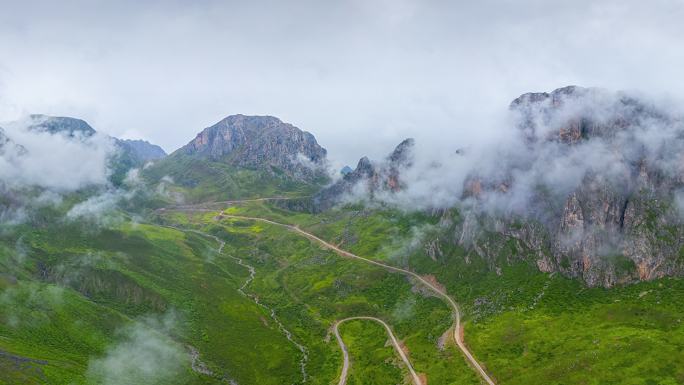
x=143, y=354
x=53, y=161
x=101, y=209
x=534, y=157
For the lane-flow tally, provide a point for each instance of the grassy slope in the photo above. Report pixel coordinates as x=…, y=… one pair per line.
x=526, y=326
x=372, y=359
x=65, y=297
x=127, y=273
x=310, y=288
x=204, y=180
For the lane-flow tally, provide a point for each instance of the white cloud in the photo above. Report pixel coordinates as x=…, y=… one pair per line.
x=53, y=161
x=360, y=75
x=144, y=354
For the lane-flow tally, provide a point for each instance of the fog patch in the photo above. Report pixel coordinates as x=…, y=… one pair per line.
x=537, y=156
x=404, y=309
x=53, y=160
x=29, y=304
x=143, y=354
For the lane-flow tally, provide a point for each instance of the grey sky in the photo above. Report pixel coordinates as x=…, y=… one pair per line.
x=361, y=75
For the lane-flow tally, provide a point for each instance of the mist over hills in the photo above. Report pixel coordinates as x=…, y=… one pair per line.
x=583, y=191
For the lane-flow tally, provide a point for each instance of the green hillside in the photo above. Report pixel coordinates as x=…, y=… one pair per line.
x=87, y=305
x=202, y=180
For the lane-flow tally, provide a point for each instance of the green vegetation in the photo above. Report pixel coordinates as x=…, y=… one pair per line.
x=203, y=180
x=73, y=295
x=373, y=360
x=527, y=327
x=310, y=288
x=115, y=277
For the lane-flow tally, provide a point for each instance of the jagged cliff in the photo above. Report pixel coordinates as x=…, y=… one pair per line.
x=367, y=179
x=617, y=218
x=591, y=187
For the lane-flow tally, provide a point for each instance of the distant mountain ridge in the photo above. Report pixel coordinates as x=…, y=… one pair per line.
x=139, y=150
x=368, y=178
x=142, y=150
x=60, y=124
x=611, y=218
x=128, y=154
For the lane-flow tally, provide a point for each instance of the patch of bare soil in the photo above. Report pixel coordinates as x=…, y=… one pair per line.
x=433, y=281
x=445, y=339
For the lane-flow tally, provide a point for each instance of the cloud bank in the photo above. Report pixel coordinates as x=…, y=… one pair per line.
x=360, y=75
x=53, y=161
x=546, y=151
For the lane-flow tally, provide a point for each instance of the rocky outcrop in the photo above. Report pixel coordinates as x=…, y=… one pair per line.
x=619, y=221
x=259, y=142
x=368, y=178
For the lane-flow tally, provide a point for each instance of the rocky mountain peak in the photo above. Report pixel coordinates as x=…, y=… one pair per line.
x=259, y=142
x=364, y=168
x=402, y=154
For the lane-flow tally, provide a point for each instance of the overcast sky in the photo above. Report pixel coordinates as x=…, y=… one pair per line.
x=361, y=75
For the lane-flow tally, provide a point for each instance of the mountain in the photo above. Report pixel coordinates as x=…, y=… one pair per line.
x=259, y=142
x=58, y=124
x=592, y=192
x=128, y=154
x=245, y=155
x=139, y=150
x=6, y=143
x=612, y=216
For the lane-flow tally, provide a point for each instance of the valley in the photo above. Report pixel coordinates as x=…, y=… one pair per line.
x=239, y=259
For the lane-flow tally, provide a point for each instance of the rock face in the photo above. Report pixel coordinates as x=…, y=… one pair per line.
x=259, y=142
x=368, y=178
x=612, y=212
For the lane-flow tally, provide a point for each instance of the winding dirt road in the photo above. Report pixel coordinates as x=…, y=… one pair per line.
x=206, y=206
x=395, y=342
x=457, y=334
